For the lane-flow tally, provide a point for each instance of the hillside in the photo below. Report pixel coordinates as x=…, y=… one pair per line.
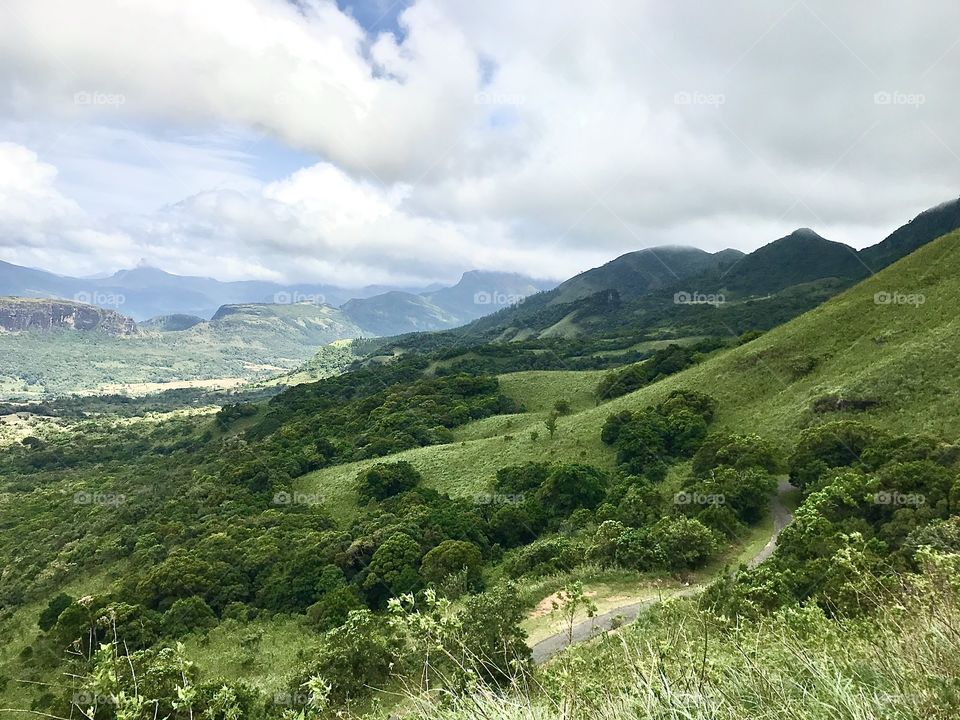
x=243, y=537
x=932, y=223
x=641, y=272
x=480, y=293
x=241, y=342
x=397, y=312
x=26, y=314
x=638, y=293
x=800, y=257
x=171, y=323
x=906, y=356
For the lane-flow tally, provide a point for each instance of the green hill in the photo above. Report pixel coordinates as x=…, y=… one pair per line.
x=800, y=257
x=638, y=293
x=397, y=312
x=905, y=356
x=643, y=271
x=241, y=342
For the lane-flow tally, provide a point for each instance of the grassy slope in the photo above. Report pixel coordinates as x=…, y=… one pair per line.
x=907, y=356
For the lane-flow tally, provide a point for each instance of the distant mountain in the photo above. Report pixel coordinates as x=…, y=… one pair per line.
x=480, y=293
x=643, y=271
x=925, y=227
x=147, y=292
x=802, y=256
x=31, y=314
x=397, y=312
x=171, y=323
x=305, y=324
x=655, y=292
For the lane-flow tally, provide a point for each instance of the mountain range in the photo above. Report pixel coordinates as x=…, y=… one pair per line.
x=144, y=293
x=726, y=292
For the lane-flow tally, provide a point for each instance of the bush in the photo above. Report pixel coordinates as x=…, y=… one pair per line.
x=187, y=615
x=450, y=558
x=385, y=480
x=570, y=487
x=57, y=604
x=736, y=451
x=393, y=569
x=683, y=543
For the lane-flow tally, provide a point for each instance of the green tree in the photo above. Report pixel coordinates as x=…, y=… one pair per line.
x=569, y=603
x=569, y=487
x=451, y=557
x=384, y=480
x=393, y=568
x=57, y=604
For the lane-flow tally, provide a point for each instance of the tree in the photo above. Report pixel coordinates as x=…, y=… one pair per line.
x=683, y=543
x=452, y=557
x=384, y=480
x=836, y=444
x=569, y=603
x=334, y=607
x=491, y=631
x=57, y=604
x=551, y=423
x=393, y=568
x=569, y=487
x=187, y=615
x=736, y=451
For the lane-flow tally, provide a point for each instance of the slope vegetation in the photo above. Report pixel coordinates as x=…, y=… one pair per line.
x=893, y=340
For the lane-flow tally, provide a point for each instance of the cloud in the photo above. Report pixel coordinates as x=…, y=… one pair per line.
x=36, y=219
x=533, y=136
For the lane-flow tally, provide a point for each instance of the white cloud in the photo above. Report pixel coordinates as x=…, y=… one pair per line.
x=536, y=136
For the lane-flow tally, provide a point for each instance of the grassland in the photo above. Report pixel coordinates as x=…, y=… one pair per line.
x=905, y=355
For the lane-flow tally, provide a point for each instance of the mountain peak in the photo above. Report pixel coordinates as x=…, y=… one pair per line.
x=805, y=233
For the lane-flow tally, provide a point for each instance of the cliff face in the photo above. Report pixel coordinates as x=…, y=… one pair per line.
x=20, y=314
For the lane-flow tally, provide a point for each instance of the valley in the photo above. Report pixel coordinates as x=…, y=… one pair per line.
x=570, y=498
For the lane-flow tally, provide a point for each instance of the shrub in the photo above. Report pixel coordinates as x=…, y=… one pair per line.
x=451, y=557
x=56, y=605
x=683, y=543
x=384, y=480
x=569, y=487
x=393, y=568
x=187, y=615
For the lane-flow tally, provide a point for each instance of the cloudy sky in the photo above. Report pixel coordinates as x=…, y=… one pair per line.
x=365, y=141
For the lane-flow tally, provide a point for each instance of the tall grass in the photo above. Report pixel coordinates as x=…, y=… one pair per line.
x=901, y=662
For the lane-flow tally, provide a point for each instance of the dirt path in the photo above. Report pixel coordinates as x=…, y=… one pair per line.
x=599, y=624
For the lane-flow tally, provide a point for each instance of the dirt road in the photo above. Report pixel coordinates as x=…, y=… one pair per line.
x=599, y=624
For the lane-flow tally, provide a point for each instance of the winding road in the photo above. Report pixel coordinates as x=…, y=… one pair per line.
x=599, y=624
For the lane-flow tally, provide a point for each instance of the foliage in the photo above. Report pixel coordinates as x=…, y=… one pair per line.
x=385, y=480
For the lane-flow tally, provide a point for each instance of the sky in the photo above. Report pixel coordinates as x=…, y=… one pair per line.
x=366, y=141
